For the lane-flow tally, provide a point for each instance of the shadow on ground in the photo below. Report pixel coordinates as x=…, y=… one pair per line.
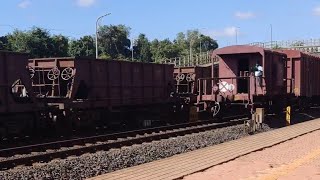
x=296, y=117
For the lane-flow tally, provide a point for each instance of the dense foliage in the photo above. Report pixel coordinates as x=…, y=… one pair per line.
x=113, y=43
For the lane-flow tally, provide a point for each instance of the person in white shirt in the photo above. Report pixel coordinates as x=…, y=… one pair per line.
x=258, y=74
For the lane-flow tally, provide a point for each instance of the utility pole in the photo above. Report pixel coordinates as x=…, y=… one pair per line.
x=190, y=49
x=97, y=56
x=237, y=35
x=271, y=35
x=200, y=45
x=132, y=49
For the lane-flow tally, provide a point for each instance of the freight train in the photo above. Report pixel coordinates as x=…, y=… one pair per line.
x=63, y=94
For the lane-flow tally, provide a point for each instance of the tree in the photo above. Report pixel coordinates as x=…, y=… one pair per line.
x=4, y=43
x=276, y=47
x=38, y=42
x=163, y=49
x=207, y=43
x=194, y=39
x=182, y=44
x=114, y=41
x=17, y=41
x=83, y=47
x=59, y=46
x=142, y=49
x=181, y=39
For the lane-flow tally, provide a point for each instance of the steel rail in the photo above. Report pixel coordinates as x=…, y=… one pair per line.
x=176, y=130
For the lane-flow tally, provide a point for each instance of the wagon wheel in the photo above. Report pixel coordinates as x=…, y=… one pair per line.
x=31, y=72
x=190, y=77
x=67, y=73
x=215, y=109
x=53, y=74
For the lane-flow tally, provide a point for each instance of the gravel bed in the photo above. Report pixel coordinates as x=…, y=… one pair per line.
x=97, y=143
x=89, y=165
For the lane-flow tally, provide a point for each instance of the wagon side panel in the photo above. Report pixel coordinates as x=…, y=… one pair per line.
x=148, y=83
x=16, y=93
x=114, y=80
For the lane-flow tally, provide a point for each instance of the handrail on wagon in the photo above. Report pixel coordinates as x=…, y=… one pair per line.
x=214, y=86
x=215, y=81
x=195, y=60
x=235, y=77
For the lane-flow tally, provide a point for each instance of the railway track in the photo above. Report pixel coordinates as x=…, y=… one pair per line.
x=45, y=138
x=27, y=155
x=182, y=165
x=31, y=140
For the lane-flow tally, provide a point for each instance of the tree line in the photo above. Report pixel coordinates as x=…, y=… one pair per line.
x=114, y=43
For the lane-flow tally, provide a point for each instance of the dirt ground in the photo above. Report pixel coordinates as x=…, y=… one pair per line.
x=295, y=159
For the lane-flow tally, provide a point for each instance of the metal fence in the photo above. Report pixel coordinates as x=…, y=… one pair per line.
x=195, y=60
x=310, y=45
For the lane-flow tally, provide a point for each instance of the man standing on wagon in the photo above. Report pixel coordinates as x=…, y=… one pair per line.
x=258, y=74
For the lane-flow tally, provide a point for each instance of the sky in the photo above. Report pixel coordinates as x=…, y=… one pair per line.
x=227, y=21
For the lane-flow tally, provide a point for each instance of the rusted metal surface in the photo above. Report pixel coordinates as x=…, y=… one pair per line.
x=50, y=77
x=236, y=62
x=237, y=84
x=186, y=77
x=303, y=72
x=19, y=109
x=101, y=83
x=16, y=94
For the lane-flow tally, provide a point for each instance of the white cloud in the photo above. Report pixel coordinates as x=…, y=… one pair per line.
x=316, y=11
x=24, y=4
x=85, y=3
x=226, y=32
x=244, y=15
